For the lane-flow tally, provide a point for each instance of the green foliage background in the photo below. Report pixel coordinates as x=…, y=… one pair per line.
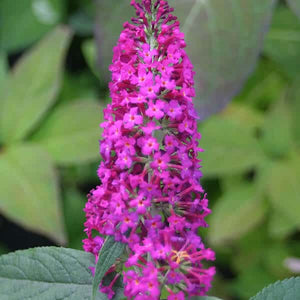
x=53, y=87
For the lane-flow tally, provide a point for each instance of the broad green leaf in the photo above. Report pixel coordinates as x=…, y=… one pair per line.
x=110, y=251
x=223, y=40
x=295, y=6
x=277, y=139
x=71, y=133
x=3, y=70
x=283, y=188
x=32, y=87
x=235, y=213
x=288, y=289
x=229, y=147
x=29, y=191
x=89, y=51
x=47, y=273
x=34, y=18
x=283, y=41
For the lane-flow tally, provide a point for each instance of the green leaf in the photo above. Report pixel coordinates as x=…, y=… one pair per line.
x=32, y=87
x=295, y=6
x=230, y=147
x=29, y=191
x=283, y=188
x=205, y=298
x=236, y=212
x=293, y=97
x=71, y=133
x=46, y=273
x=288, y=289
x=89, y=51
x=34, y=19
x=110, y=251
x=282, y=43
x=277, y=139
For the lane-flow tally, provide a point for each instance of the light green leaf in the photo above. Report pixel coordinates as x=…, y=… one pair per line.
x=295, y=6
x=229, y=147
x=47, y=273
x=110, y=251
x=293, y=96
x=236, y=212
x=277, y=139
x=288, y=289
x=71, y=134
x=32, y=87
x=29, y=191
x=283, y=41
x=34, y=18
x=283, y=188
x=89, y=51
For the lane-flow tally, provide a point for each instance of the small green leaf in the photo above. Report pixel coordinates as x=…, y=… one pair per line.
x=288, y=289
x=282, y=43
x=34, y=18
x=46, y=273
x=283, y=188
x=110, y=251
x=295, y=6
x=236, y=212
x=229, y=147
x=90, y=54
x=72, y=132
x=32, y=87
x=277, y=137
x=29, y=191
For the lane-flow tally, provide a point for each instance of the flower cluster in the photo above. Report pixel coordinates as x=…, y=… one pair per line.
x=150, y=195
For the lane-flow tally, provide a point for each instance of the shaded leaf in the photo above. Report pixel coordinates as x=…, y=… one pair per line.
x=224, y=40
x=33, y=86
x=288, y=289
x=71, y=133
x=34, y=18
x=110, y=251
x=46, y=273
x=29, y=191
x=295, y=6
x=236, y=212
x=283, y=188
x=3, y=70
x=282, y=43
x=277, y=137
x=230, y=147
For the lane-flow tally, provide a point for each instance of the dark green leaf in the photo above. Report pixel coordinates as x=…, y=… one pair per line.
x=283, y=41
x=29, y=191
x=110, y=251
x=23, y=22
x=46, y=273
x=72, y=132
x=33, y=86
x=238, y=211
x=230, y=147
x=288, y=289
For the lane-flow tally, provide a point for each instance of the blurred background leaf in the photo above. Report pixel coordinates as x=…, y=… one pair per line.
x=295, y=6
x=71, y=132
x=33, y=86
x=23, y=22
x=29, y=191
x=3, y=69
